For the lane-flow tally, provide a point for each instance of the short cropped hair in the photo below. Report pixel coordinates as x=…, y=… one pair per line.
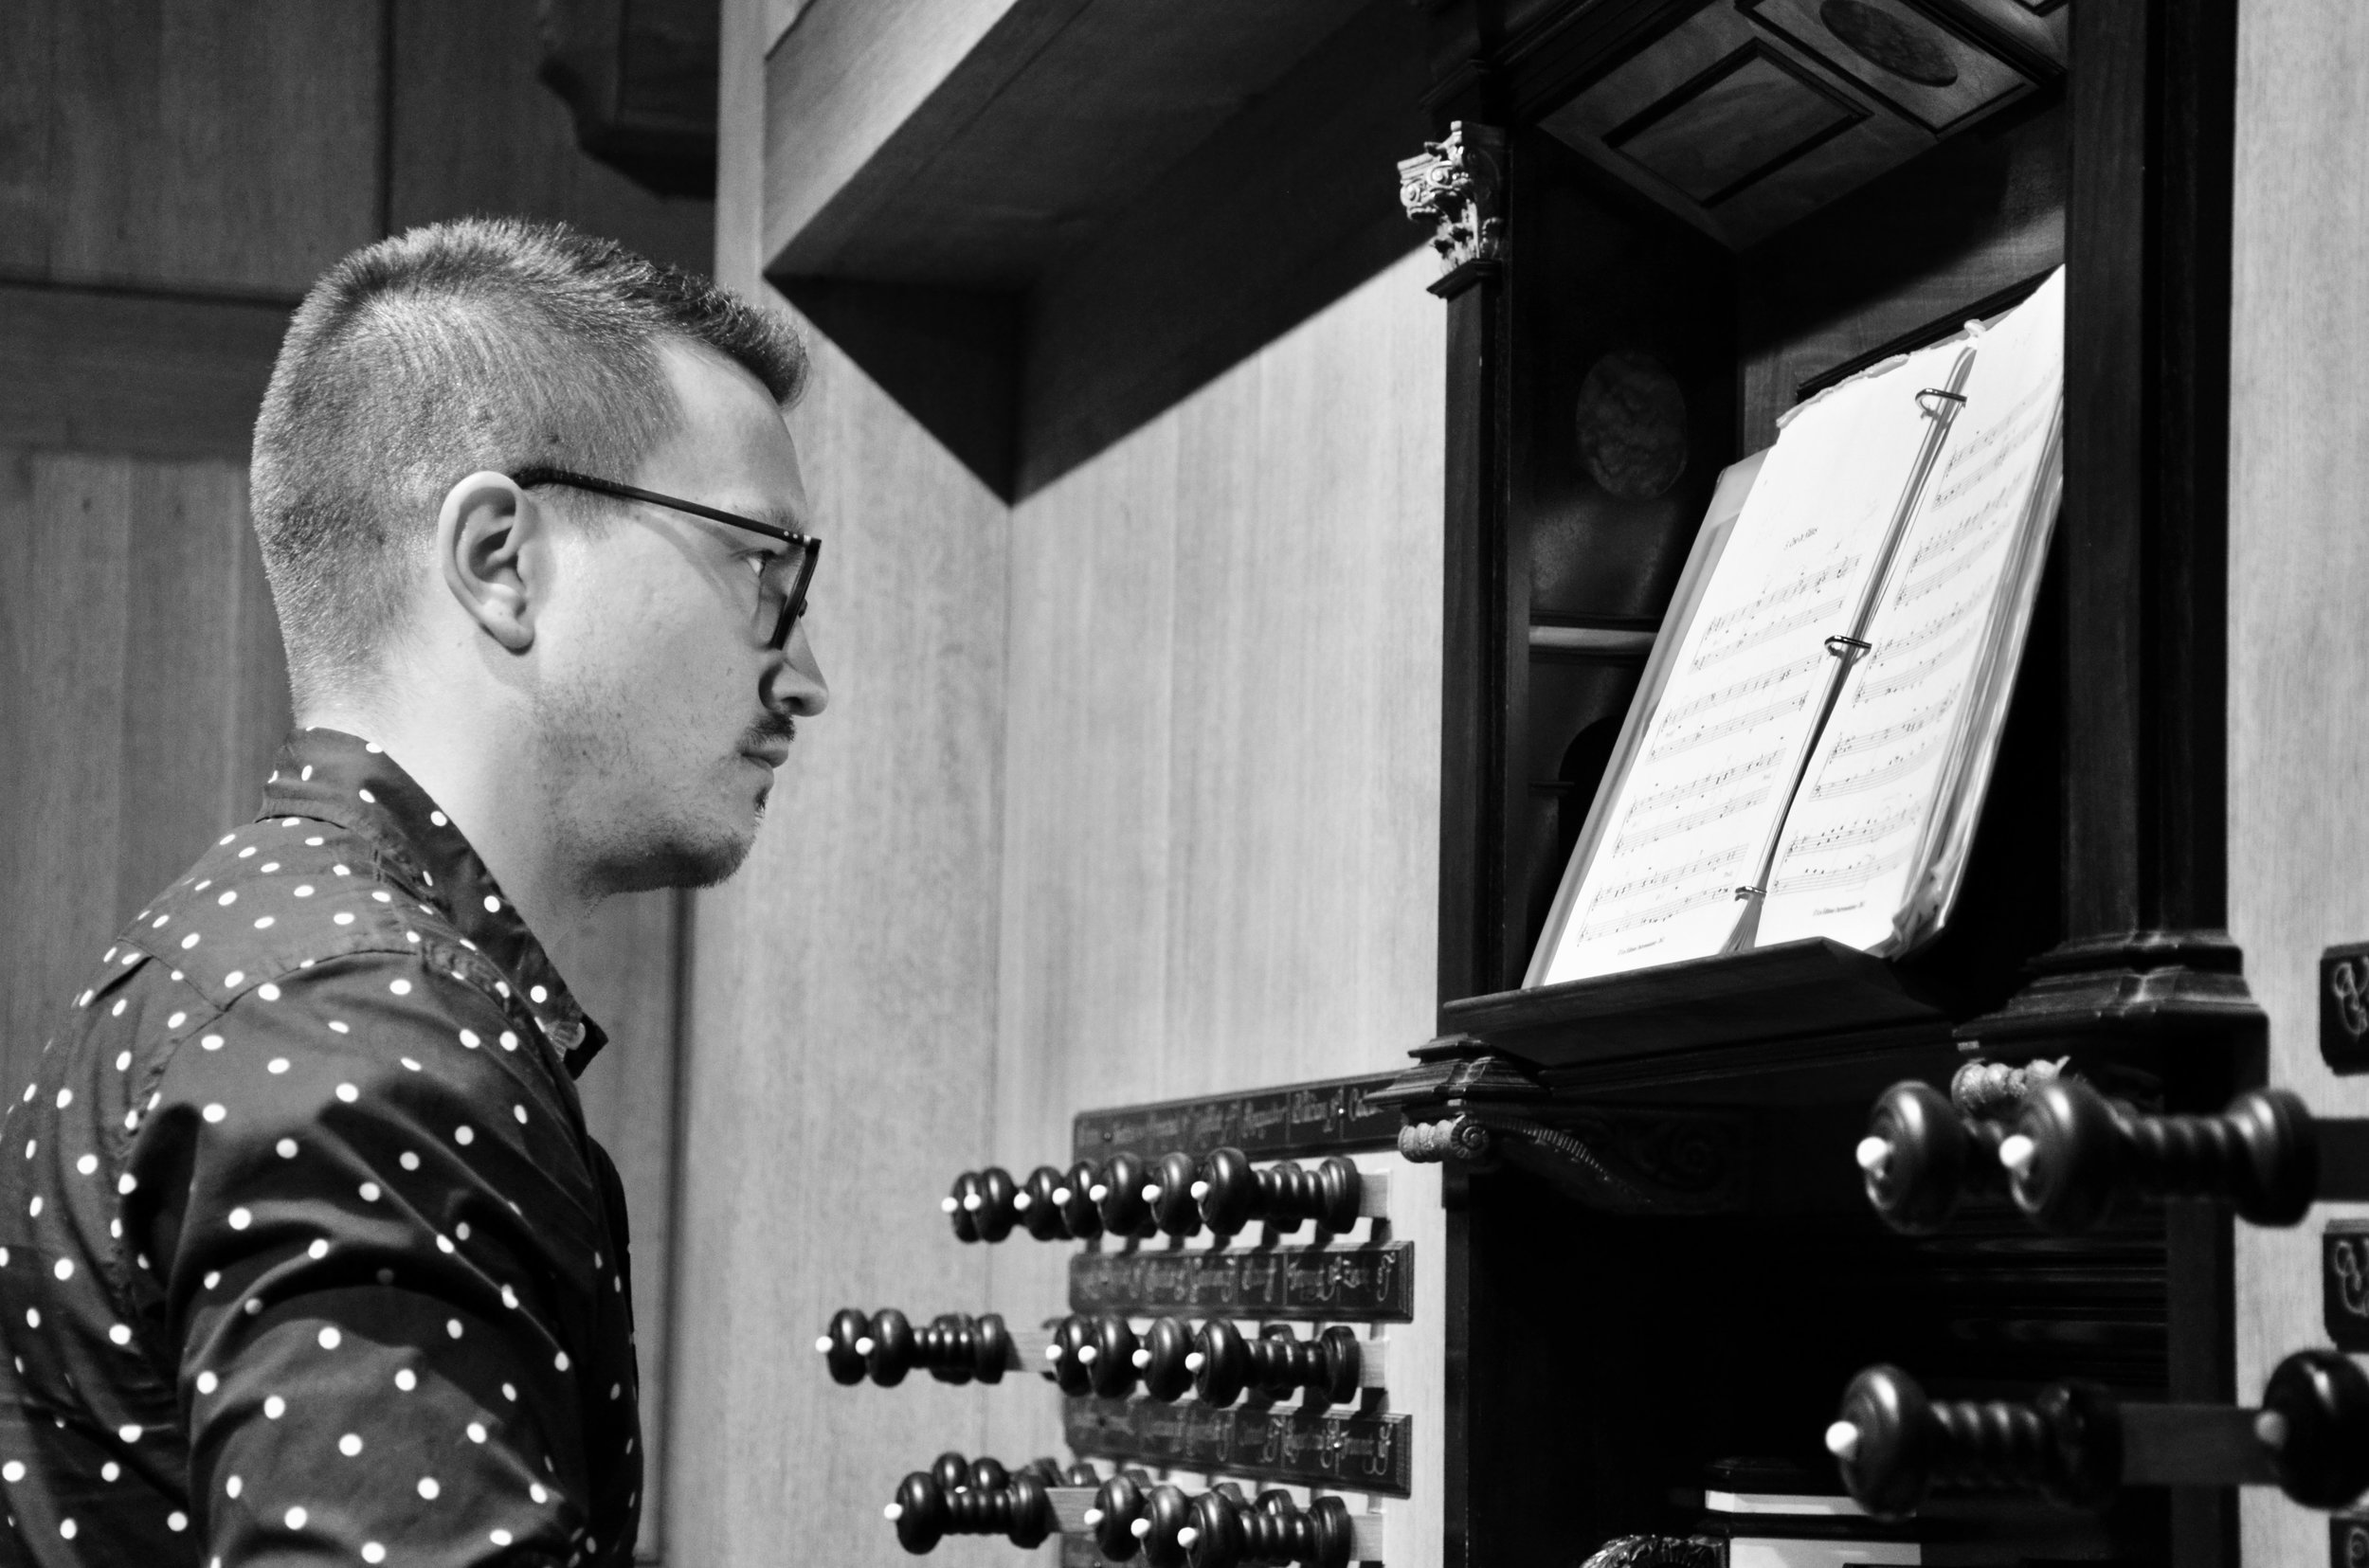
x=487, y=343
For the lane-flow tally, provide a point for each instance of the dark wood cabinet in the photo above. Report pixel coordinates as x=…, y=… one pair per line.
x=1663, y=224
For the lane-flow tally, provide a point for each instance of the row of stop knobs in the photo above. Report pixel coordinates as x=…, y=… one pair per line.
x=2067, y=1155
x=2078, y=1444
x=2070, y=1156
x=1128, y=1195
x=1101, y=1354
x=1130, y=1517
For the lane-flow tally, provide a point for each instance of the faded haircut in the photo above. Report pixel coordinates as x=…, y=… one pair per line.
x=487, y=342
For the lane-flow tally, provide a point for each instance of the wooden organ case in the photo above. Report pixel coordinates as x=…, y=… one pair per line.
x=1662, y=222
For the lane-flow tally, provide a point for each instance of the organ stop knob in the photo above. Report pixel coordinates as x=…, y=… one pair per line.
x=954, y=1496
x=1921, y=1157
x=2071, y=1156
x=885, y=1346
x=1102, y=1354
x=1166, y=1528
x=2074, y=1155
x=1127, y=1517
x=1129, y=1197
x=2077, y=1443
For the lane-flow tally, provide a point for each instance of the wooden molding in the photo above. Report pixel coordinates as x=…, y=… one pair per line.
x=141, y=373
x=1030, y=295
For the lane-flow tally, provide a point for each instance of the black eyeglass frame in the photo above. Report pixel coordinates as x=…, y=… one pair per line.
x=792, y=608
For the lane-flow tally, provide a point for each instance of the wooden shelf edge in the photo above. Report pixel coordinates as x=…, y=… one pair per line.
x=1811, y=987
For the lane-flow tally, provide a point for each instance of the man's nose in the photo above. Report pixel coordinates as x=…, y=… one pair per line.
x=795, y=684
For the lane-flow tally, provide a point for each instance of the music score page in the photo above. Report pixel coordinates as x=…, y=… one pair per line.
x=1862, y=827
x=1692, y=817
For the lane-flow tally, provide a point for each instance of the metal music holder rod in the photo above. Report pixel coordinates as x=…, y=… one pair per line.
x=1847, y=648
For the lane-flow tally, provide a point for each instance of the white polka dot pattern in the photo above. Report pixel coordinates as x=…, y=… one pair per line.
x=349, y=963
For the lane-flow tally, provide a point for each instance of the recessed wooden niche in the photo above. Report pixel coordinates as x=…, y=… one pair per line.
x=1747, y=115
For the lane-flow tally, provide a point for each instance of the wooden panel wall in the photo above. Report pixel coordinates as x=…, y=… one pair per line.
x=2299, y=650
x=140, y=694
x=1221, y=778
x=1128, y=793
x=840, y=1024
x=1222, y=775
x=172, y=175
x=217, y=146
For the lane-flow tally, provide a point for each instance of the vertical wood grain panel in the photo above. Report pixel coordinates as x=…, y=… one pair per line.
x=620, y=965
x=65, y=527
x=1087, y=775
x=1221, y=778
x=840, y=1024
x=220, y=143
x=473, y=132
x=2299, y=656
x=186, y=775
x=27, y=29
x=1305, y=757
x=841, y=1021
x=1082, y=1001
x=1221, y=747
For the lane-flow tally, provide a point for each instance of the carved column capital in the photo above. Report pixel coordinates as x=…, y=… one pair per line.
x=1457, y=185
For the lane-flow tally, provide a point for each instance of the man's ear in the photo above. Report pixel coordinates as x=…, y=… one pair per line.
x=488, y=543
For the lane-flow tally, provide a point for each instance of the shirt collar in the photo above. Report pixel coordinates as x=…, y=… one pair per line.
x=342, y=779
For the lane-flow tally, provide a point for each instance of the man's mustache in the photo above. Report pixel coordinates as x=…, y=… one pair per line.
x=783, y=729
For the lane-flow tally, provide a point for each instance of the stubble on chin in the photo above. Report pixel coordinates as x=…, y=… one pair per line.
x=628, y=830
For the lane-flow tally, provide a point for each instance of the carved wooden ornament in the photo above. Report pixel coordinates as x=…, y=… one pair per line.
x=1457, y=184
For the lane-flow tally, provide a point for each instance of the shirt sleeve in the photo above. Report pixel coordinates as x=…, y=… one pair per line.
x=379, y=1234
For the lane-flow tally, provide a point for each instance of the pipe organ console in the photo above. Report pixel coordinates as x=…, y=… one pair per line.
x=1240, y=1351
x=1610, y=1243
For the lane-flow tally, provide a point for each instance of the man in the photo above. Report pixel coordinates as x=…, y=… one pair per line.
x=305, y=1255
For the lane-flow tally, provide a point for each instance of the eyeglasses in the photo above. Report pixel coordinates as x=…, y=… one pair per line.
x=792, y=601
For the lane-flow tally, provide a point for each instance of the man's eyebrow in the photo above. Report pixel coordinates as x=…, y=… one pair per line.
x=795, y=519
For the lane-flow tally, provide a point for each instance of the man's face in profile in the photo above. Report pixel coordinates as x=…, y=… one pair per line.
x=665, y=713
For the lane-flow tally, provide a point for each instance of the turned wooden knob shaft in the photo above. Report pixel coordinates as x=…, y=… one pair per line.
x=2310, y=1436
x=2075, y=1155
x=1129, y=1196
x=1276, y=1364
x=952, y=1498
x=1894, y=1445
x=1234, y=1193
x=1225, y=1531
x=954, y=1348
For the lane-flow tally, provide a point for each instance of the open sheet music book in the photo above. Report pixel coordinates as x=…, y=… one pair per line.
x=1809, y=748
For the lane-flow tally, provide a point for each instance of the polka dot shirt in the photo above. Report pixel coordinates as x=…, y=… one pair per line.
x=305, y=1254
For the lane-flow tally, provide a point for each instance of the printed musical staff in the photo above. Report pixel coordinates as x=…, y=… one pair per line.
x=1885, y=772
x=1837, y=672
x=1858, y=860
x=1719, y=810
x=1704, y=779
x=1670, y=743
x=1874, y=686
x=1739, y=689
x=1703, y=784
